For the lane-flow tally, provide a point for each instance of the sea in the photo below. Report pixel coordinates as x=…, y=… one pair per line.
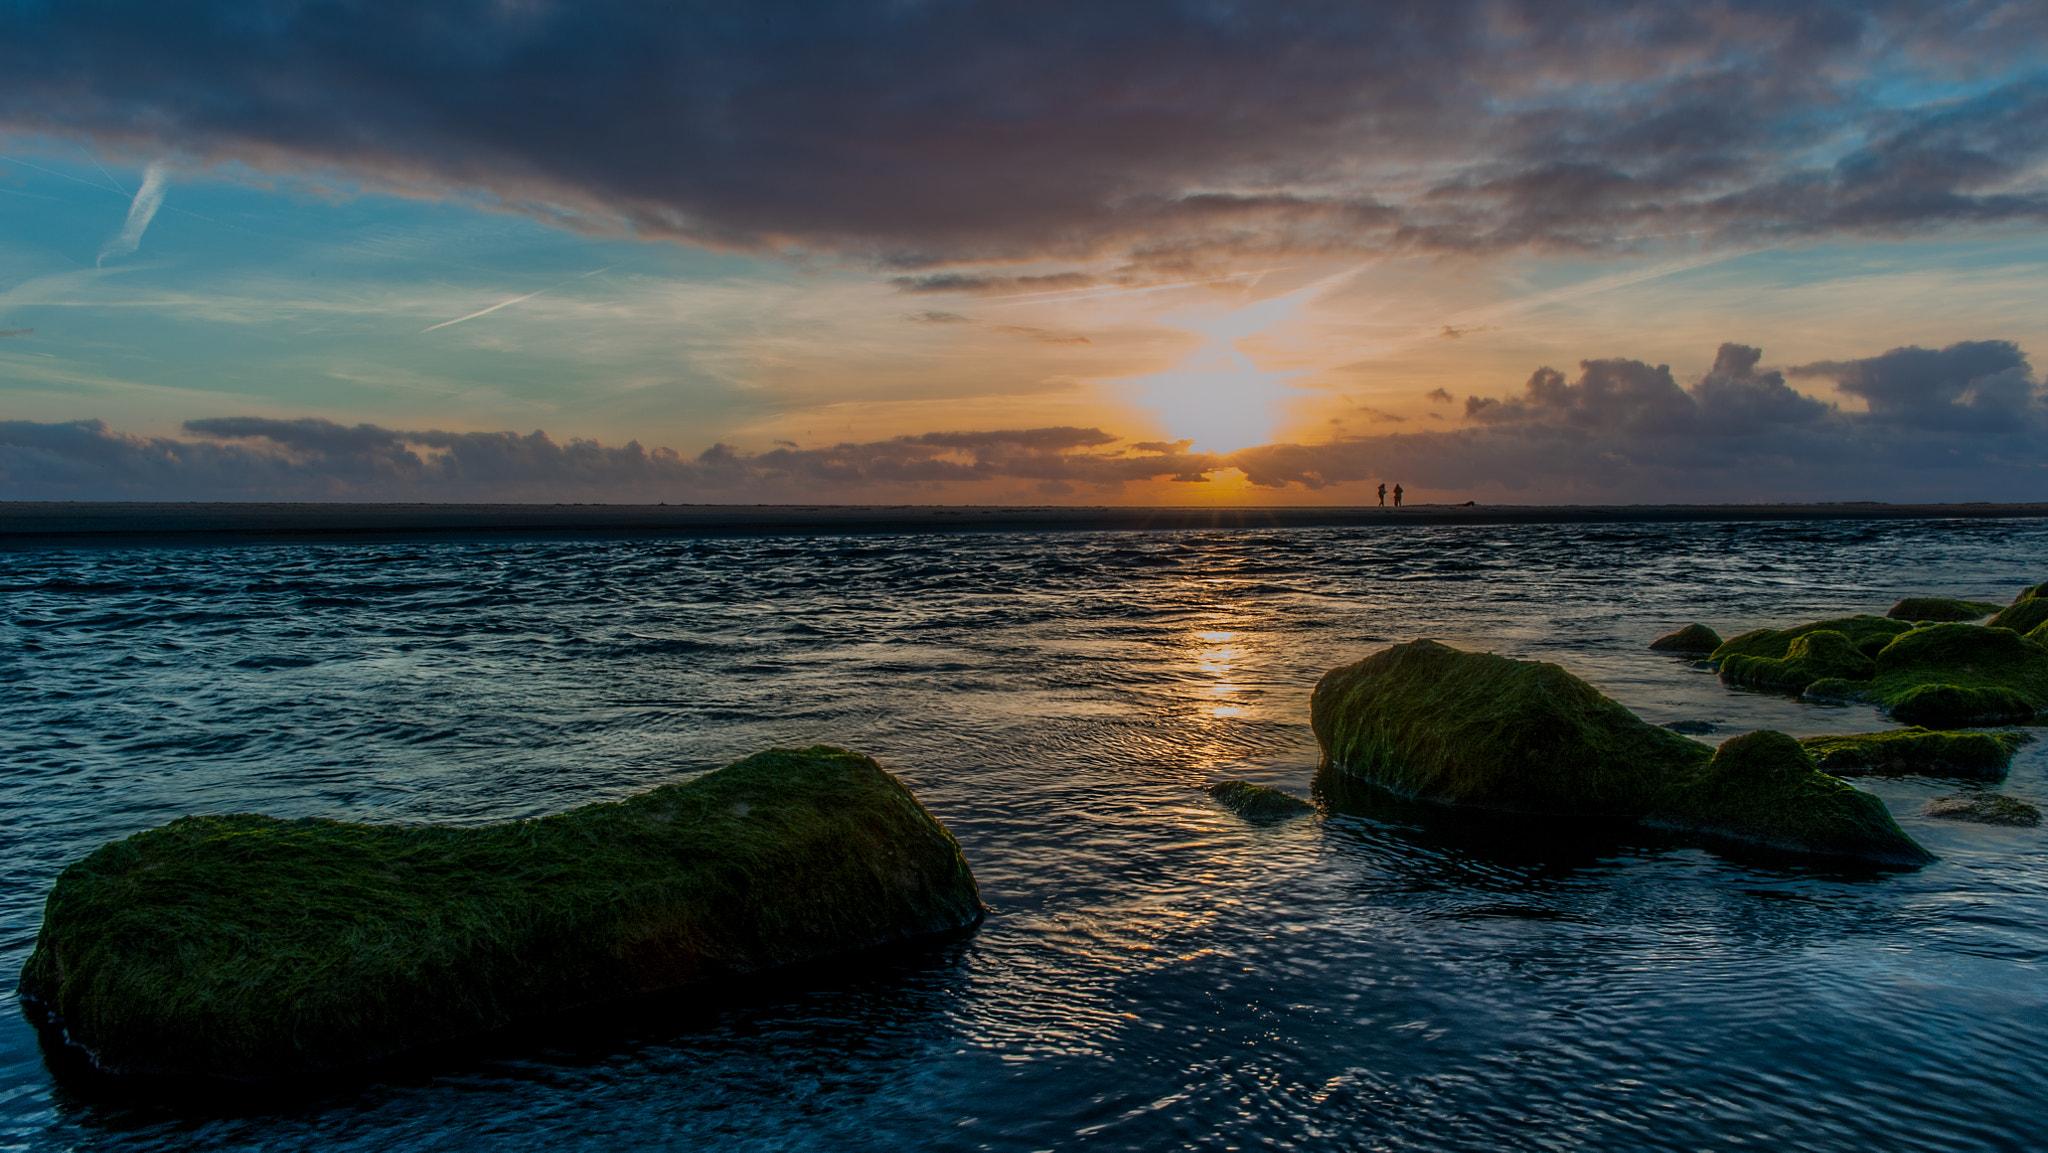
x=1154, y=972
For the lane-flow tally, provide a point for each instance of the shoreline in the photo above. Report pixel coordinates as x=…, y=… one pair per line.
x=28, y=523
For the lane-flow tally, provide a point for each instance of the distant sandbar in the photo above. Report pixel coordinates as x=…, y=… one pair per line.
x=54, y=522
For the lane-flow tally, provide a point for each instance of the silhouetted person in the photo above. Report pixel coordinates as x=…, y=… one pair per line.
x=1397, y=496
x=1383, y=496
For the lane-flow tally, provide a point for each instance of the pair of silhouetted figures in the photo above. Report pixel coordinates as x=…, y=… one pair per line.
x=1397, y=495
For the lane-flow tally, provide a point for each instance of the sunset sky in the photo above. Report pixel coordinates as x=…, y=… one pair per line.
x=1039, y=252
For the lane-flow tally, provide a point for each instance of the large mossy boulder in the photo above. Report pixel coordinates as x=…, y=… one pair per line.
x=1820, y=655
x=1428, y=722
x=1955, y=676
x=1762, y=787
x=1432, y=723
x=1916, y=751
x=1940, y=609
x=1868, y=633
x=245, y=946
x=1694, y=638
x=2023, y=617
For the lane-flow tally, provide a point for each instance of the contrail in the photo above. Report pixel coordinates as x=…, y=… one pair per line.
x=482, y=311
x=517, y=299
x=141, y=211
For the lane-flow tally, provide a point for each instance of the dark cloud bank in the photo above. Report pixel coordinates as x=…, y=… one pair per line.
x=1964, y=422
x=1168, y=132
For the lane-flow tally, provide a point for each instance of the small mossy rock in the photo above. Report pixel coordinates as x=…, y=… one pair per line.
x=1819, y=655
x=2031, y=591
x=2039, y=635
x=1258, y=802
x=1762, y=787
x=1940, y=609
x=1983, y=808
x=1690, y=639
x=1867, y=633
x=2024, y=617
x=249, y=947
x=1426, y=721
x=1976, y=756
x=1958, y=705
x=1958, y=676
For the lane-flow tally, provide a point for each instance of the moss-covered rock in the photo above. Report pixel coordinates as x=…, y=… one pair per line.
x=1690, y=639
x=245, y=946
x=1763, y=787
x=2024, y=617
x=1867, y=633
x=1983, y=808
x=1940, y=609
x=1958, y=676
x=1820, y=655
x=2031, y=591
x=1978, y=756
x=1258, y=802
x=1425, y=721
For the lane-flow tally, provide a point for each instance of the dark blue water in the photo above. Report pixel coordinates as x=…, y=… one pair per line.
x=1156, y=973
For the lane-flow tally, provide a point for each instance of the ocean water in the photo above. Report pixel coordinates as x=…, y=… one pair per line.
x=1155, y=972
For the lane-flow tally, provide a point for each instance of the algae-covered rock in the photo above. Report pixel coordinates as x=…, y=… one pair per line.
x=1867, y=633
x=1978, y=756
x=2024, y=617
x=245, y=946
x=1258, y=802
x=1690, y=639
x=1425, y=721
x=1762, y=787
x=1819, y=655
x=1940, y=609
x=1956, y=676
x=1983, y=808
x=2031, y=591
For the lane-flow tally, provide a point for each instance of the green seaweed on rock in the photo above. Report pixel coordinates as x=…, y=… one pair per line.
x=1984, y=809
x=1819, y=655
x=244, y=946
x=1940, y=609
x=1428, y=722
x=1690, y=639
x=1258, y=802
x=1762, y=787
x=1978, y=756
x=2023, y=617
x=1949, y=676
x=1868, y=633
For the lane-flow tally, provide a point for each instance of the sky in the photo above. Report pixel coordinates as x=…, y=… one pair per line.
x=1143, y=252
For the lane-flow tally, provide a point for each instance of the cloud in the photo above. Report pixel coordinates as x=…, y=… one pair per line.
x=7, y=332
x=1977, y=385
x=148, y=198
x=1959, y=423
x=1163, y=134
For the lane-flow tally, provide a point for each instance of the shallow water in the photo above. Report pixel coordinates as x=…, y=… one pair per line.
x=1155, y=973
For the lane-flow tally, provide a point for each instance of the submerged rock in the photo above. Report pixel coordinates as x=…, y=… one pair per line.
x=1868, y=633
x=1690, y=639
x=1979, y=756
x=1690, y=728
x=1983, y=808
x=2023, y=617
x=1762, y=787
x=1257, y=801
x=1428, y=722
x=1820, y=655
x=1940, y=609
x=245, y=946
